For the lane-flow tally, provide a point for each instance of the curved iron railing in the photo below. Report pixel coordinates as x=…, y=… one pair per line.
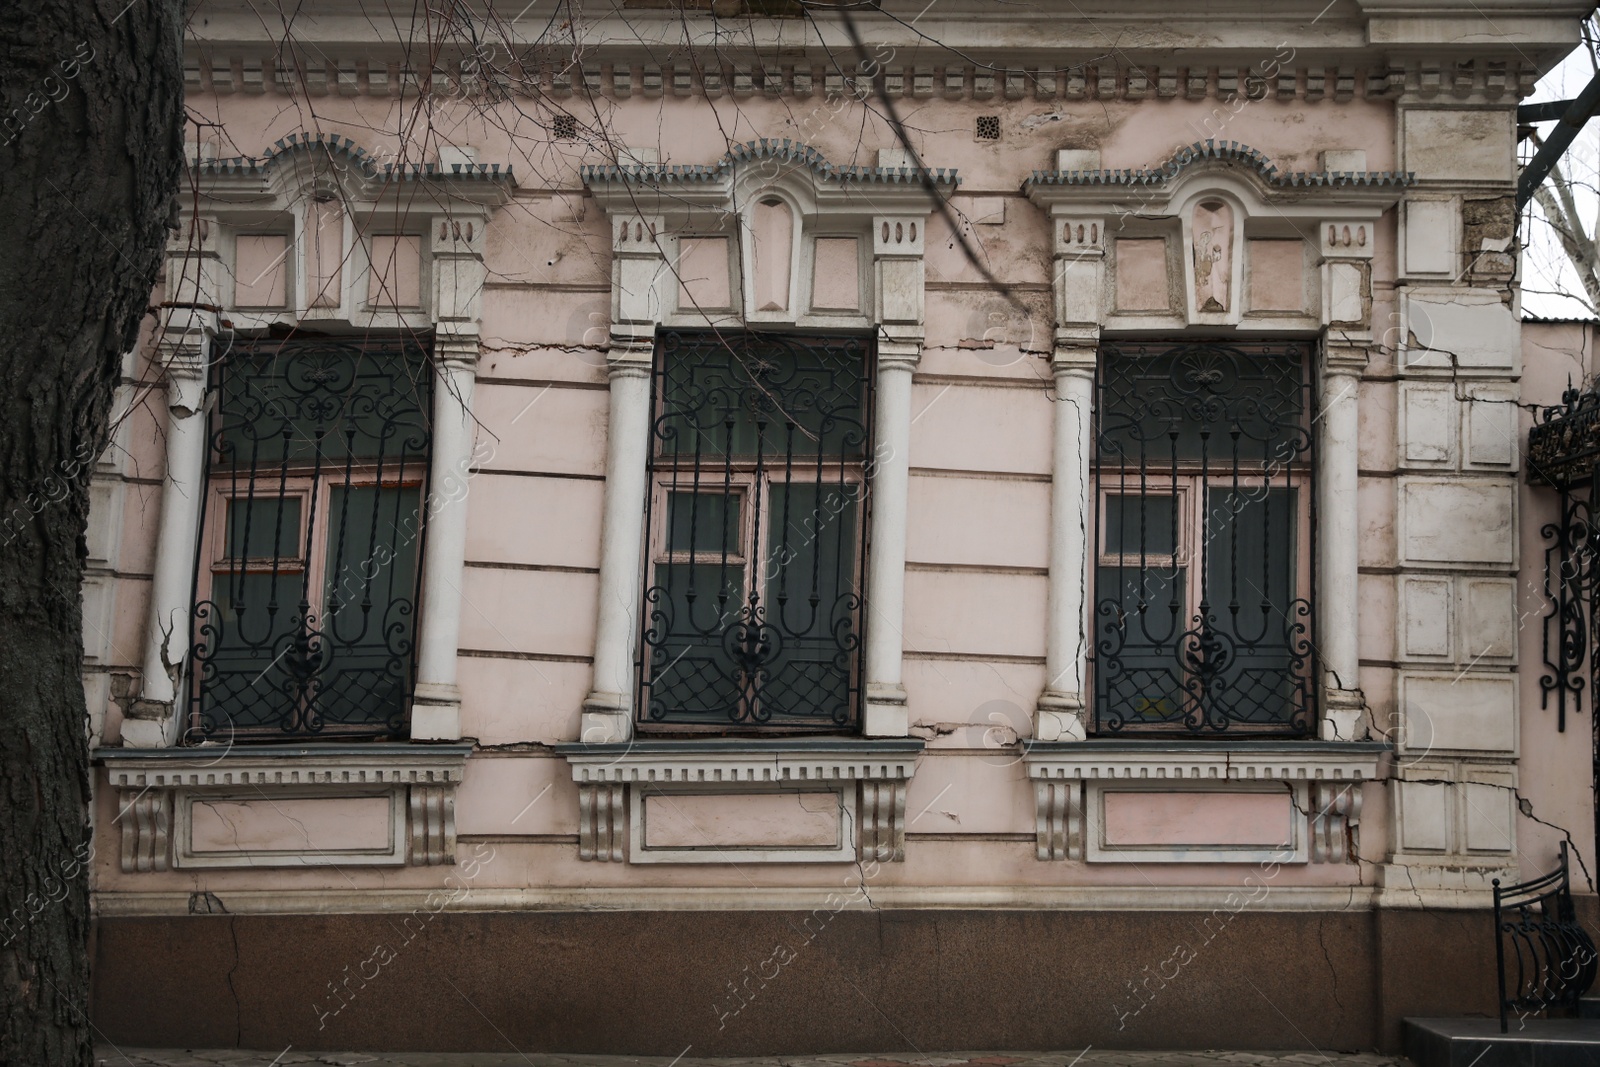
x=757, y=518
x=304, y=619
x=1204, y=528
x=1549, y=955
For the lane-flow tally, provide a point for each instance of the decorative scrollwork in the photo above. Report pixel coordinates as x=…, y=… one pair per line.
x=757, y=517
x=305, y=623
x=1564, y=442
x=1204, y=518
x=1546, y=958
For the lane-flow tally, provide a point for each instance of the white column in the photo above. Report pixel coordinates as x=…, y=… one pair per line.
x=607, y=711
x=1079, y=246
x=1063, y=704
x=456, y=244
x=1339, y=540
x=639, y=271
x=156, y=718
x=898, y=302
x=436, y=706
x=886, y=713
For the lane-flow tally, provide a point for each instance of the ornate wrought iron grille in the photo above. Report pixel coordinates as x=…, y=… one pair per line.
x=1545, y=956
x=1203, y=528
x=304, y=619
x=1564, y=453
x=757, y=518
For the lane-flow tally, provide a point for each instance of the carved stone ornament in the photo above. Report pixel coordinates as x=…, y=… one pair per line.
x=1212, y=229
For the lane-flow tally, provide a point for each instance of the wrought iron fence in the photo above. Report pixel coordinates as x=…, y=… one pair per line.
x=304, y=618
x=1545, y=957
x=757, y=517
x=1204, y=529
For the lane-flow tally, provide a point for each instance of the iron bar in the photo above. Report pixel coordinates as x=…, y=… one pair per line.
x=748, y=428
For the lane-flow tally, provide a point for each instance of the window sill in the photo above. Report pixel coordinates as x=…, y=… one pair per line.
x=1314, y=785
x=616, y=780
x=1181, y=757
x=291, y=805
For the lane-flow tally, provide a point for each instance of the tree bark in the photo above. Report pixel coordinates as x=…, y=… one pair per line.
x=91, y=122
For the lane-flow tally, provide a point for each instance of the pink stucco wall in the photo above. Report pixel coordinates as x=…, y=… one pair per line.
x=979, y=497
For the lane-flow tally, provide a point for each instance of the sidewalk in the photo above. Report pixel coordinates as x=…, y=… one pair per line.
x=130, y=1057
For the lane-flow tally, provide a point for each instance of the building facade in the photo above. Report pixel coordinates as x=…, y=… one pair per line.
x=802, y=530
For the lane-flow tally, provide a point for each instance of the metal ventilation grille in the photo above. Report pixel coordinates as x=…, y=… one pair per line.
x=565, y=128
x=988, y=128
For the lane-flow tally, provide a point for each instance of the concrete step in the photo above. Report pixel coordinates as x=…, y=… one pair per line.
x=1589, y=1008
x=1479, y=1043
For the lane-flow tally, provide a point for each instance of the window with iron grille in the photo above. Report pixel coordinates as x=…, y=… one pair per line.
x=306, y=593
x=757, y=518
x=1204, y=540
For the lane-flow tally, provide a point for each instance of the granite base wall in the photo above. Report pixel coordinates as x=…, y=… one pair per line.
x=773, y=983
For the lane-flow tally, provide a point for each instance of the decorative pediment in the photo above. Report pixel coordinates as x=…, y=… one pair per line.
x=326, y=161
x=1216, y=235
x=764, y=150
x=318, y=227
x=766, y=166
x=772, y=233
x=1249, y=173
x=1230, y=153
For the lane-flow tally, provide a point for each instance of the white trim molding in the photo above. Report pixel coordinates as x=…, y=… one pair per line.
x=321, y=200
x=589, y=899
x=1072, y=778
x=1244, y=195
x=158, y=790
x=669, y=226
x=866, y=778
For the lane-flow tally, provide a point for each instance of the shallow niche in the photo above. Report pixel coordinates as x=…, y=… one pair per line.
x=772, y=248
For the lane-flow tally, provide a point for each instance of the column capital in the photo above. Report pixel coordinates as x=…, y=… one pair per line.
x=460, y=235
x=637, y=235
x=631, y=358
x=1074, y=357
x=186, y=332
x=457, y=351
x=1078, y=236
x=899, y=355
x=899, y=236
x=1345, y=358
x=1347, y=238
x=183, y=353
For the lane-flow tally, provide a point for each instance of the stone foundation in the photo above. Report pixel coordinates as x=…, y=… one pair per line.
x=772, y=983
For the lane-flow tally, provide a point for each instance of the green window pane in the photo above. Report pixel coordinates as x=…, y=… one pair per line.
x=373, y=537
x=809, y=572
x=1140, y=617
x=248, y=669
x=703, y=522
x=1141, y=525
x=693, y=670
x=368, y=616
x=264, y=527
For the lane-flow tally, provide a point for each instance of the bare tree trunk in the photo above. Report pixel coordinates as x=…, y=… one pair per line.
x=91, y=126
